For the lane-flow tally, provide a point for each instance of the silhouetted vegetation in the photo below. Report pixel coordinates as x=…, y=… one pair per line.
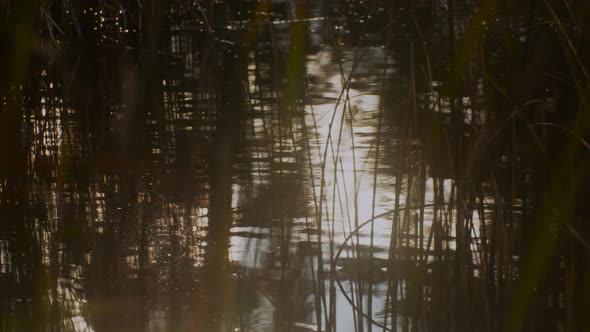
x=294, y=165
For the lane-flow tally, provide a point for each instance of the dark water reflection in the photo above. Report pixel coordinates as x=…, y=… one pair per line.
x=191, y=168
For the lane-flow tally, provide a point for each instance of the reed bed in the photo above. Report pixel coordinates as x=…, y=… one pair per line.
x=486, y=140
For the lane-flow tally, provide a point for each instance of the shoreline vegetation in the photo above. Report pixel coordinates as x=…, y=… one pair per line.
x=294, y=165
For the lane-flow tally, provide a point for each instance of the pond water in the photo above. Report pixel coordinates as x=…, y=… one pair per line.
x=248, y=166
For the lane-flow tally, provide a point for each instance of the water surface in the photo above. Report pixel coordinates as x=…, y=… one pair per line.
x=252, y=166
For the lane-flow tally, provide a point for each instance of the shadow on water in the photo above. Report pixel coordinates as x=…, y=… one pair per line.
x=294, y=165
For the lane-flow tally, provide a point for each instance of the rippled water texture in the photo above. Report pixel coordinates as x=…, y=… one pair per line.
x=293, y=165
